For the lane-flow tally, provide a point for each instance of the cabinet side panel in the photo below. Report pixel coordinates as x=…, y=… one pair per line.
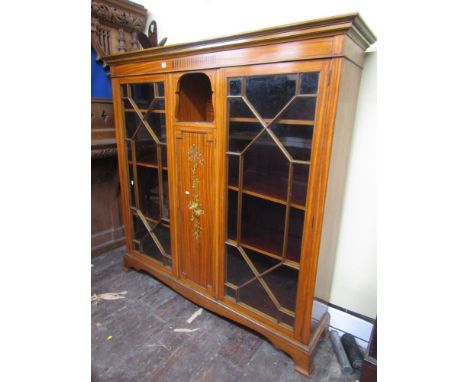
x=344, y=122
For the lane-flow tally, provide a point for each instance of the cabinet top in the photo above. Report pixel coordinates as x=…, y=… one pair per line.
x=349, y=24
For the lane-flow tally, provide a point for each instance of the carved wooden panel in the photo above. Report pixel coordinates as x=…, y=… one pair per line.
x=195, y=194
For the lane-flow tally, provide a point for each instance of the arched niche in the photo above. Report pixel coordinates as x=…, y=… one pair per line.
x=195, y=98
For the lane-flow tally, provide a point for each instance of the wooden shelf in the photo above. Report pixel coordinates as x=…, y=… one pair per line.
x=160, y=111
x=281, y=121
x=147, y=165
x=267, y=197
x=164, y=221
x=287, y=262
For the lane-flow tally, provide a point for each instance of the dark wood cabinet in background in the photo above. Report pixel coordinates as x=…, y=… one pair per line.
x=232, y=159
x=107, y=231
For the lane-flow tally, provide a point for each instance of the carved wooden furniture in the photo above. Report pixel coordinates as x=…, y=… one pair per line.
x=114, y=28
x=115, y=25
x=232, y=158
x=106, y=220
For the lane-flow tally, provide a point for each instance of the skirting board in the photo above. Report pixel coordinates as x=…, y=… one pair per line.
x=344, y=322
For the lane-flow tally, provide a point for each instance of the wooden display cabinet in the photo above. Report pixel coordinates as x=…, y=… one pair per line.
x=232, y=158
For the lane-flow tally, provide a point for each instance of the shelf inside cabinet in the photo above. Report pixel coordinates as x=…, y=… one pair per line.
x=268, y=120
x=265, y=196
x=150, y=165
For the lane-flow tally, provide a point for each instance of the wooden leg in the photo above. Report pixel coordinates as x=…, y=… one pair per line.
x=303, y=361
x=303, y=364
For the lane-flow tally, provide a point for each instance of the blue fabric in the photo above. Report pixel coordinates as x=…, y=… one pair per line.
x=100, y=81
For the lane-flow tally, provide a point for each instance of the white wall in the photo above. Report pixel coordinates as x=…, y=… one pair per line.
x=354, y=280
x=355, y=276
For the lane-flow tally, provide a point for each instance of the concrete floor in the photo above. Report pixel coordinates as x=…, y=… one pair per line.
x=144, y=346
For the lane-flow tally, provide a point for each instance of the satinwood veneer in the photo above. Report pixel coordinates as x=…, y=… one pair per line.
x=232, y=160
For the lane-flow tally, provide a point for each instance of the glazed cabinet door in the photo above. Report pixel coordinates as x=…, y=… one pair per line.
x=271, y=119
x=144, y=169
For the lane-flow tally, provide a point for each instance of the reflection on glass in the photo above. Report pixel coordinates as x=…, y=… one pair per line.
x=131, y=185
x=234, y=86
x=142, y=94
x=239, y=109
x=296, y=139
x=270, y=94
x=309, y=83
x=302, y=108
x=241, y=134
x=160, y=86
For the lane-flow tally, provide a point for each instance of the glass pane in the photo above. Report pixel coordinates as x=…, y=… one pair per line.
x=123, y=90
x=132, y=121
x=159, y=105
x=286, y=319
x=160, y=86
x=299, y=186
x=269, y=94
x=254, y=295
x=241, y=134
x=239, y=109
x=229, y=292
x=263, y=224
x=147, y=246
x=266, y=169
x=309, y=83
x=164, y=236
x=164, y=155
x=145, y=147
x=237, y=270
x=131, y=182
x=157, y=122
x=128, y=145
x=296, y=225
x=297, y=139
x=302, y=108
x=165, y=195
x=148, y=192
x=142, y=94
x=262, y=263
x=234, y=86
x=233, y=166
x=283, y=283
x=127, y=104
x=232, y=215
